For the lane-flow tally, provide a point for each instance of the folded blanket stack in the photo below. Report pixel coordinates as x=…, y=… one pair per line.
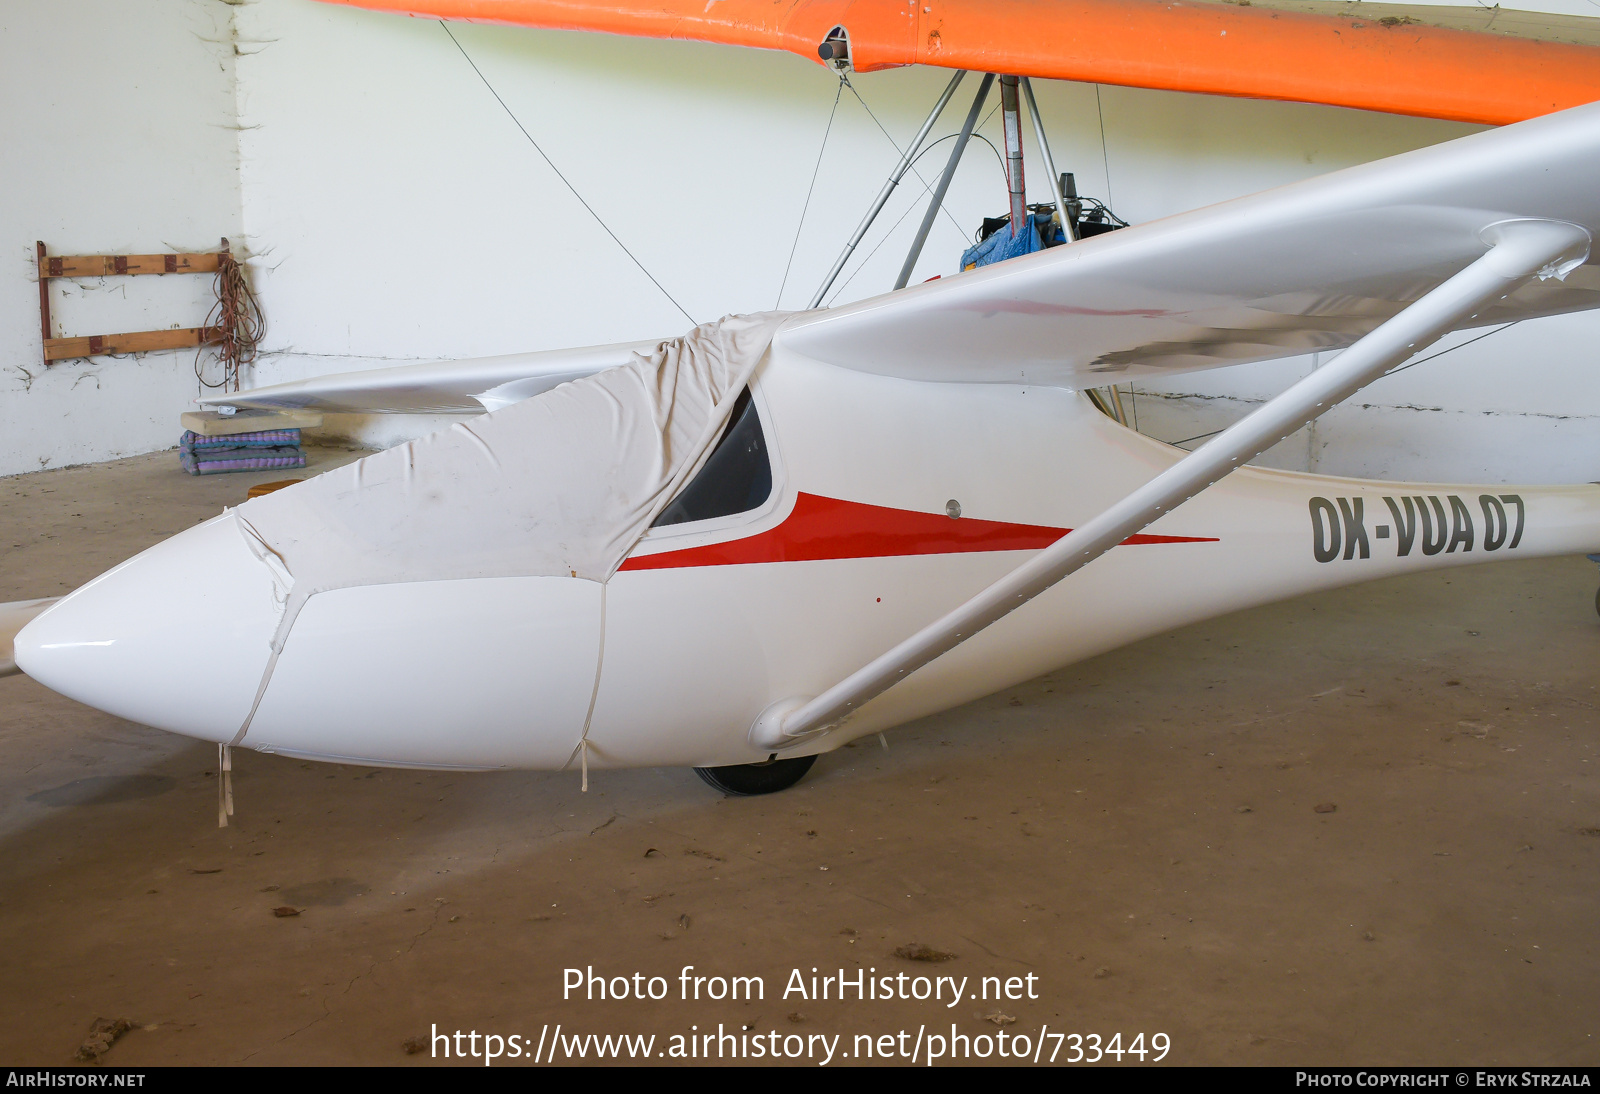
x=268, y=450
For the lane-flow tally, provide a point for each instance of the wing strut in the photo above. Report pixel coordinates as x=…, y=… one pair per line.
x=944, y=182
x=1518, y=250
x=1016, y=181
x=906, y=160
x=1068, y=229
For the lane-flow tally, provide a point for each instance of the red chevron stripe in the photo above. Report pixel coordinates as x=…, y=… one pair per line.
x=821, y=528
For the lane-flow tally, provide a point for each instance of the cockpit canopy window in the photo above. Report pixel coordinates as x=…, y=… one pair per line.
x=736, y=479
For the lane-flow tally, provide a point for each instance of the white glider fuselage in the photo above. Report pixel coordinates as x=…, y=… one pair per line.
x=494, y=595
x=707, y=622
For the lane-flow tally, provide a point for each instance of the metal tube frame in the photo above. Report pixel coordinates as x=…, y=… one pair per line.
x=1067, y=226
x=1517, y=251
x=1016, y=178
x=895, y=176
x=944, y=181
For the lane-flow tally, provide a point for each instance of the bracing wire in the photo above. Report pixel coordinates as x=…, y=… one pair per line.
x=999, y=160
x=1452, y=349
x=1105, y=157
x=896, y=144
x=1197, y=437
x=809, y=191
x=563, y=177
x=865, y=261
x=909, y=210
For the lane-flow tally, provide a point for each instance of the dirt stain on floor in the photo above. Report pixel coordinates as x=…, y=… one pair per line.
x=103, y=789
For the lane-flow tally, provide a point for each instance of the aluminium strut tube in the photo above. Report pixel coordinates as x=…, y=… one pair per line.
x=1518, y=250
x=906, y=160
x=944, y=182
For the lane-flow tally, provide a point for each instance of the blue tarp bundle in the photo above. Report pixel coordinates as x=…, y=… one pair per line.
x=1002, y=245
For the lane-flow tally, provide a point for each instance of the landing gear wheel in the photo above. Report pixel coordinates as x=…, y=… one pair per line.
x=744, y=780
x=1597, y=601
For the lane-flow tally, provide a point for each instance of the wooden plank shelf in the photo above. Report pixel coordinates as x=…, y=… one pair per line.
x=114, y=265
x=62, y=349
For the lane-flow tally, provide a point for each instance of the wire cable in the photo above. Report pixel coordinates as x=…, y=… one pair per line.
x=863, y=264
x=564, y=178
x=1105, y=157
x=1199, y=437
x=845, y=79
x=896, y=145
x=1452, y=349
x=236, y=317
x=809, y=190
x=911, y=208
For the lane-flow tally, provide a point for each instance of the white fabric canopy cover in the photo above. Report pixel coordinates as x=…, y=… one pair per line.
x=562, y=484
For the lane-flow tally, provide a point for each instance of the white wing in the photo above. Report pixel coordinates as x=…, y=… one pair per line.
x=475, y=385
x=1309, y=266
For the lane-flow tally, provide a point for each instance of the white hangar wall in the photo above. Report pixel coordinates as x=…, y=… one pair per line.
x=117, y=136
x=393, y=212
x=401, y=215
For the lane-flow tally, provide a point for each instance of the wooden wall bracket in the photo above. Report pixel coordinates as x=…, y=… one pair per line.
x=62, y=349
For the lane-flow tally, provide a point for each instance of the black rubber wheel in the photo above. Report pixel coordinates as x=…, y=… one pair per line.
x=743, y=780
x=1597, y=601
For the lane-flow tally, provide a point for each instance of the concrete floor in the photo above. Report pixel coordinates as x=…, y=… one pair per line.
x=1139, y=832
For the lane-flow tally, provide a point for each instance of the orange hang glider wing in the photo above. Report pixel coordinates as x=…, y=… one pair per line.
x=1392, y=64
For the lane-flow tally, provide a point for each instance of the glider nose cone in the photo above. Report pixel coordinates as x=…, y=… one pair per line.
x=176, y=637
